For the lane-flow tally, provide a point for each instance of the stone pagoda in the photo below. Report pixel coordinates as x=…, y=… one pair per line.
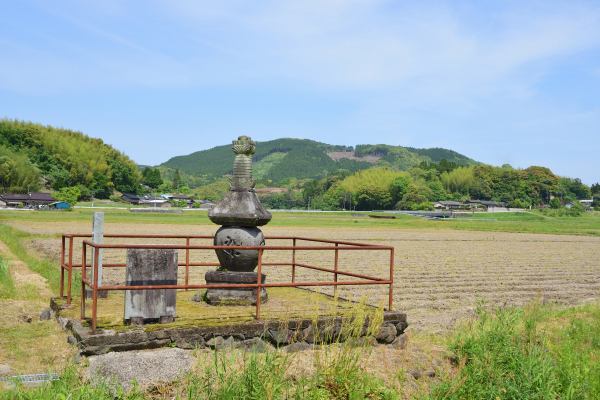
x=239, y=214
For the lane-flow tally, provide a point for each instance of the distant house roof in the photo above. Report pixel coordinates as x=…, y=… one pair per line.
x=15, y=197
x=28, y=197
x=450, y=203
x=179, y=197
x=152, y=200
x=130, y=197
x=39, y=196
x=488, y=203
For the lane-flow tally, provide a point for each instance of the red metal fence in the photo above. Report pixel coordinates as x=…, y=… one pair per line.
x=335, y=246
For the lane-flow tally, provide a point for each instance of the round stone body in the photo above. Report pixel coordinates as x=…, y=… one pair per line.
x=235, y=259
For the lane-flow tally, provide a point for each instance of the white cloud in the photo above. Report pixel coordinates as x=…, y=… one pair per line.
x=429, y=52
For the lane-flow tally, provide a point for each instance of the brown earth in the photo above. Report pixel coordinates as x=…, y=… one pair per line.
x=338, y=155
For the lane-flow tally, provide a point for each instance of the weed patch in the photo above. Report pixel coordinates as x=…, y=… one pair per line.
x=533, y=353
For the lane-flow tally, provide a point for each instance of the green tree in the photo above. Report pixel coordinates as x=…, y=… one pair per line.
x=151, y=177
x=555, y=203
x=573, y=189
x=416, y=197
x=460, y=180
x=66, y=158
x=399, y=186
x=68, y=194
x=17, y=174
x=176, y=179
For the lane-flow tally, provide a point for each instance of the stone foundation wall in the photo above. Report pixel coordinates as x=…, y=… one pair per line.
x=291, y=335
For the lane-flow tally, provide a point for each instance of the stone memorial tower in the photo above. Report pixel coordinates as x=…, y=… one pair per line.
x=239, y=214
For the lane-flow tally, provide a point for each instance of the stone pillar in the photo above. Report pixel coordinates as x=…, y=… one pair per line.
x=150, y=267
x=98, y=238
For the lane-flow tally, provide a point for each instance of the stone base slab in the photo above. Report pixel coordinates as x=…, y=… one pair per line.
x=291, y=335
x=233, y=297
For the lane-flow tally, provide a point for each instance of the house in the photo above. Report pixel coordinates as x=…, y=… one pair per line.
x=489, y=205
x=205, y=204
x=28, y=200
x=153, y=201
x=59, y=205
x=449, y=205
x=131, y=198
x=587, y=204
x=146, y=199
x=179, y=197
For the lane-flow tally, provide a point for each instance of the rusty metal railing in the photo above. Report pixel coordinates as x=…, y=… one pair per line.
x=335, y=246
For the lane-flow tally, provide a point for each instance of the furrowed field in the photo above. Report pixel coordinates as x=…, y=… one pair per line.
x=446, y=272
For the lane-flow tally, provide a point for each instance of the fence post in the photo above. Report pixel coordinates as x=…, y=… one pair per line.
x=294, y=260
x=391, y=289
x=83, y=278
x=95, y=289
x=62, y=267
x=70, y=271
x=187, y=262
x=259, y=283
x=335, y=268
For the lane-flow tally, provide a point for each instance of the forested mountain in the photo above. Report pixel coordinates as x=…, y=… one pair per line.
x=33, y=156
x=306, y=173
x=280, y=160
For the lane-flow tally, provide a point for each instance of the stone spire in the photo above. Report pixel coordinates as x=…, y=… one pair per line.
x=243, y=148
x=240, y=206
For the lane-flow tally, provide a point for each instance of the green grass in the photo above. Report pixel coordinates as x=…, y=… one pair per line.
x=540, y=352
x=7, y=285
x=527, y=222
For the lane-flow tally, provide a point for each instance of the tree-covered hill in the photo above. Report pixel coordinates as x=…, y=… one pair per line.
x=280, y=160
x=33, y=156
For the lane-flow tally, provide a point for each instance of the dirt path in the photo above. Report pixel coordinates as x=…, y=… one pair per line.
x=27, y=344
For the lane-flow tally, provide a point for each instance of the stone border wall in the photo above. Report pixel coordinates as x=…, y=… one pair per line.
x=292, y=335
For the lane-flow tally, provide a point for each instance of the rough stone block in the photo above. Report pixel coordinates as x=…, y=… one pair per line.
x=150, y=267
x=387, y=333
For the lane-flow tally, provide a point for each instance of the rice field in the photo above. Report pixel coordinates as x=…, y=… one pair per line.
x=440, y=276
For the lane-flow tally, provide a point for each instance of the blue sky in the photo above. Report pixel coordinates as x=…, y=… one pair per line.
x=502, y=82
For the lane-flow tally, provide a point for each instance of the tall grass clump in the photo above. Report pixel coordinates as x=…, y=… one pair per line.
x=337, y=372
x=247, y=376
x=7, y=285
x=533, y=353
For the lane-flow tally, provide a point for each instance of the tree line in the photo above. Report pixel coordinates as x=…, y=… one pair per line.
x=418, y=188
x=34, y=156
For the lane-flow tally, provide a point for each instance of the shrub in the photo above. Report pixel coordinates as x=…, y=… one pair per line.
x=555, y=203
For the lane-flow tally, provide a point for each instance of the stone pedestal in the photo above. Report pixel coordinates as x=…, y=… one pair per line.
x=150, y=267
x=233, y=296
